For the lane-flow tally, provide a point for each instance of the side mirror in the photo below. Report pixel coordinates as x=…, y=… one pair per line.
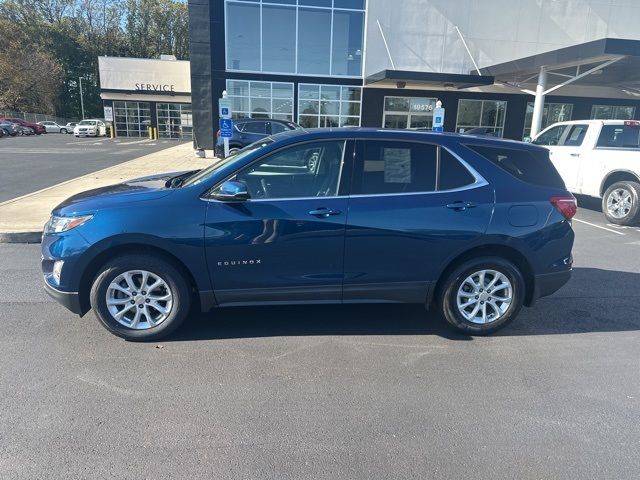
x=231, y=191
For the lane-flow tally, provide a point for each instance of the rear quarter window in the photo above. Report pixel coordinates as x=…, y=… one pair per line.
x=619, y=136
x=530, y=166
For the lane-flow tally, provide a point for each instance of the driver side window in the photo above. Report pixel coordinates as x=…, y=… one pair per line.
x=551, y=136
x=306, y=170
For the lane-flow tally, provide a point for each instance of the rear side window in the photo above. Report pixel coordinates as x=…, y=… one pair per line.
x=255, y=127
x=395, y=167
x=277, y=128
x=619, y=136
x=527, y=165
x=576, y=135
x=453, y=174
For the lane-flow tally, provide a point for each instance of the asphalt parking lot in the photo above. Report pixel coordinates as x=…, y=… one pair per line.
x=24, y=159
x=331, y=392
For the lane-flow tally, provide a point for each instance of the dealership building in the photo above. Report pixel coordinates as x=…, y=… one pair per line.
x=506, y=67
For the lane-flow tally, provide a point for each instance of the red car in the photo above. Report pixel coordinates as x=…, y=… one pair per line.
x=39, y=129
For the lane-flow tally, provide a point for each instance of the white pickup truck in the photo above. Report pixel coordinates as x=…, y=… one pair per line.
x=599, y=158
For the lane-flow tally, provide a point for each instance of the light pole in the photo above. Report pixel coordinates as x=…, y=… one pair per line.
x=81, y=99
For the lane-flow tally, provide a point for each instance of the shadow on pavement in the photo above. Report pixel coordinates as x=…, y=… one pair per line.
x=593, y=301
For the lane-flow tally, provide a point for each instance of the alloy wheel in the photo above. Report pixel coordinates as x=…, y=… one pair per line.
x=619, y=203
x=484, y=296
x=139, y=299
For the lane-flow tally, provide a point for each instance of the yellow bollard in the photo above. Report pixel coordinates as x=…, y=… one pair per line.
x=150, y=131
x=112, y=131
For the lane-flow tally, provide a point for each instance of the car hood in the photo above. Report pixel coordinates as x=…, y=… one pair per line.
x=136, y=190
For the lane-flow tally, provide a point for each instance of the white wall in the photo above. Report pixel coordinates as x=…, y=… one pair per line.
x=421, y=33
x=123, y=73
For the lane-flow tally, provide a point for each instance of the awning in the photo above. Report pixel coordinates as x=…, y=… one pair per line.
x=612, y=62
x=417, y=80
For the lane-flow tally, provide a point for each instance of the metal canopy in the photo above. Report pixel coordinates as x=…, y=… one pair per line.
x=411, y=79
x=573, y=61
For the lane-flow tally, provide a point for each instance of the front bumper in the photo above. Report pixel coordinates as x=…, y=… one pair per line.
x=69, y=300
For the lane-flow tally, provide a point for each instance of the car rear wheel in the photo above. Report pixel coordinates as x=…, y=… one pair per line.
x=140, y=297
x=63, y=131
x=620, y=203
x=482, y=295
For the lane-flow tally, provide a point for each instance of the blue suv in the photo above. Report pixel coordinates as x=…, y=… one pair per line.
x=474, y=227
x=248, y=130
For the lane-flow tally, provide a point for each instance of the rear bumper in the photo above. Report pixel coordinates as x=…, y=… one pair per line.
x=549, y=283
x=69, y=300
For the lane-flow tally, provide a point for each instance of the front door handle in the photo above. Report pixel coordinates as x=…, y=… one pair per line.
x=324, y=212
x=574, y=154
x=460, y=206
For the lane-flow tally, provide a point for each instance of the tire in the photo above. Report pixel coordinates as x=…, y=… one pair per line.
x=621, y=203
x=233, y=151
x=63, y=131
x=457, y=283
x=116, y=271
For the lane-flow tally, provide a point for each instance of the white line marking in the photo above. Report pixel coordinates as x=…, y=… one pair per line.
x=598, y=226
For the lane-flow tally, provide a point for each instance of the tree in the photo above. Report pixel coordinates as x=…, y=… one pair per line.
x=69, y=35
x=30, y=78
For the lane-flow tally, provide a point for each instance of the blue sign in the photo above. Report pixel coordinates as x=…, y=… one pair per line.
x=226, y=127
x=224, y=111
x=438, y=119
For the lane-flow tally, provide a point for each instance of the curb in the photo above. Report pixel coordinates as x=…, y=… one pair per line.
x=20, y=237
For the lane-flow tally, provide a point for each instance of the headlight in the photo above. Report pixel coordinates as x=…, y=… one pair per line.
x=62, y=224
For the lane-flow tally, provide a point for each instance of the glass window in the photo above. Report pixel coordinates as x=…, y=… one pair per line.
x=395, y=167
x=132, y=119
x=328, y=105
x=255, y=127
x=488, y=115
x=551, y=136
x=453, y=174
x=308, y=170
x=575, y=137
x=612, y=112
x=526, y=165
x=552, y=113
x=243, y=36
x=314, y=33
x=620, y=136
x=316, y=37
x=278, y=39
x=277, y=128
x=174, y=120
x=346, y=55
x=408, y=112
x=252, y=99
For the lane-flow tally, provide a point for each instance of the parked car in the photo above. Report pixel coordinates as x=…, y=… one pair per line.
x=490, y=132
x=90, y=128
x=8, y=128
x=38, y=129
x=473, y=227
x=53, y=127
x=249, y=130
x=22, y=130
x=71, y=125
x=599, y=158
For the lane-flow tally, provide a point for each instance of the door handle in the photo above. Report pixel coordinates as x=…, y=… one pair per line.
x=324, y=212
x=574, y=154
x=460, y=206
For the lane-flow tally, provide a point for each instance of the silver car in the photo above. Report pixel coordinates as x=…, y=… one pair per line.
x=53, y=127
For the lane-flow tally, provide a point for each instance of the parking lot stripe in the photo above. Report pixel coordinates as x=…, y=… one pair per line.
x=598, y=226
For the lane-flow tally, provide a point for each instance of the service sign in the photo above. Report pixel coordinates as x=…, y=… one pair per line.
x=108, y=114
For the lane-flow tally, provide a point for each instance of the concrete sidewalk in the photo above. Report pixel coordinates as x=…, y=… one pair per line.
x=22, y=218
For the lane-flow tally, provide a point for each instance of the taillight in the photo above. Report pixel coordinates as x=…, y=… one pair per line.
x=566, y=205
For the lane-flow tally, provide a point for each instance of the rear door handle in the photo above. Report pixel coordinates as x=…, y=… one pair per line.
x=324, y=212
x=459, y=206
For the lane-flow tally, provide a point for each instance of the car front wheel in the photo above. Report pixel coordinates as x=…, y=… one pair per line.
x=140, y=297
x=63, y=131
x=620, y=203
x=482, y=295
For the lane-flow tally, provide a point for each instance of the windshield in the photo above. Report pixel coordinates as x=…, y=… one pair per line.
x=87, y=122
x=200, y=176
